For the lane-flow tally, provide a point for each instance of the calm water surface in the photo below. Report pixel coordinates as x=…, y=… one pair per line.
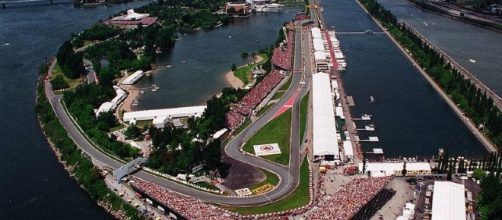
x=411, y=119
x=33, y=185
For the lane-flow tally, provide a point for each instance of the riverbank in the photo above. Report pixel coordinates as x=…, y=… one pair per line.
x=237, y=82
x=489, y=146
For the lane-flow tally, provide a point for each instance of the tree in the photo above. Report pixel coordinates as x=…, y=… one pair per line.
x=59, y=83
x=478, y=174
x=404, y=171
x=234, y=67
x=132, y=132
x=244, y=54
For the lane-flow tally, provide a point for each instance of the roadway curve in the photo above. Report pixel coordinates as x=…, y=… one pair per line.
x=289, y=176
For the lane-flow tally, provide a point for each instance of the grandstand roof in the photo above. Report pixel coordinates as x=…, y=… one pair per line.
x=320, y=55
x=111, y=105
x=318, y=45
x=316, y=33
x=195, y=111
x=324, y=126
x=448, y=201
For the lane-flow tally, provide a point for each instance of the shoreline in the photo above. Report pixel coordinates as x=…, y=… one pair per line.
x=489, y=146
x=236, y=82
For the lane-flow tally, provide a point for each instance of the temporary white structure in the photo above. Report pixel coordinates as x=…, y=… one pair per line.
x=318, y=45
x=133, y=78
x=319, y=55
x=324, y=126
x=347, y=149
x=191, y=111
x=448, y=201
x=316, y=33
x=391, y=168
x=112, y=105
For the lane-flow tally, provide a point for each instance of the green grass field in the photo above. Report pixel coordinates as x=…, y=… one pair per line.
x=276, y=131
x=244, y=72
x=299, y=197
x=269, y=178
x=283, y=89
x=303, y=116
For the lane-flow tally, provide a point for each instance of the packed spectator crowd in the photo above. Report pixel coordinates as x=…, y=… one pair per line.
x=185, y=206
x=283, y=54
x=246, y=105
x=348, y=199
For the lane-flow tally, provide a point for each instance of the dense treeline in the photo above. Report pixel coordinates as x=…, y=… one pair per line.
x=490, y=198
x=476, y=104
x=81, y=166
x=70, y=61
x=81, y=103
x=98, y=32
x=180, y=149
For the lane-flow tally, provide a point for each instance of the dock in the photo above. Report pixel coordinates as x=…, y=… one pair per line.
x=350, y=100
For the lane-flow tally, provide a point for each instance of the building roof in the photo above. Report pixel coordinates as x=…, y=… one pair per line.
x=191, y=111
x=347, y=148
x=219, y=133
x=111, y=105
x=448, y=201
x=133, y=78
x=318, y=45
x=320, y=55
x=324, y=126
x=316, y=33
x=130, y=16
x=389, y=168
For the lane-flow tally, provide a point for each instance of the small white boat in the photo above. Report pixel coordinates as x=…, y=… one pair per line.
x=169, y=66
x=155, y=88
x=135, y=102
x=472, y=60
x=229, y=36
x=372, y=99
x=6, y=44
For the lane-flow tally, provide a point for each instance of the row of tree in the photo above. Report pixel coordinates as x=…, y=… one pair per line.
x=476, y=104
x=71, y=62
x=82, y=168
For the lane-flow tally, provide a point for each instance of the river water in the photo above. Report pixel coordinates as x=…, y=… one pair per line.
x=33, y=185
x=200, y=60
x=410, y=118
x=477, y=49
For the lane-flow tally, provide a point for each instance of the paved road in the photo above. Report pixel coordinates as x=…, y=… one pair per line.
x=289, y=175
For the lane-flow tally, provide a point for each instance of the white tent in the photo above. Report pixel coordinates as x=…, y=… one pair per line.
x=319, y=55
x=448, y=201
x=316, y=33
x=347, y=148
x=133, y=78
x=324, y=126
x=391, y=168
x=131, y=16
x=318, y=45
x=112, y=105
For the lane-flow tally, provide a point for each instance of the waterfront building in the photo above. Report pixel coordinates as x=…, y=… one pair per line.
x=112, y=105
x=160, y=116
x=133, y=78
x=238, y=9
x=325, y=145
x=132, y=19
x=448, y=201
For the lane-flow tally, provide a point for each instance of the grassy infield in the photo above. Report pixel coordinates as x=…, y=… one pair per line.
x=71, y=82
x=278, y=131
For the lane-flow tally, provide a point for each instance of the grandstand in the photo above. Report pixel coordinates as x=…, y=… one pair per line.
x=133, y=78
x=160, y=115
x=112, y=105
x=448, y=201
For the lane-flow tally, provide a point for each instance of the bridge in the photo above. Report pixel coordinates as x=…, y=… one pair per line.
x=6, y=3
x=359, y=32
x=128, y=168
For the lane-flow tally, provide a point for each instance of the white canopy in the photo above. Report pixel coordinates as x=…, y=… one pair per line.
x=318, y=45
x=347, y=148
x=391, y=168
x=448, y=201
x=112, y=105
x=324, y=126
x=133, y=78
x=316, y=33
x=320, y=55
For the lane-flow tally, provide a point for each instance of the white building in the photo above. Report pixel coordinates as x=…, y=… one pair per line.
x=391, y=168
x=161, y=115
x=348, y=150
x=133, y=78
x=320, y=56
x=112, y=105
x=448, y=201
x=318, y=45
x=325, y=144
x=131, y=16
